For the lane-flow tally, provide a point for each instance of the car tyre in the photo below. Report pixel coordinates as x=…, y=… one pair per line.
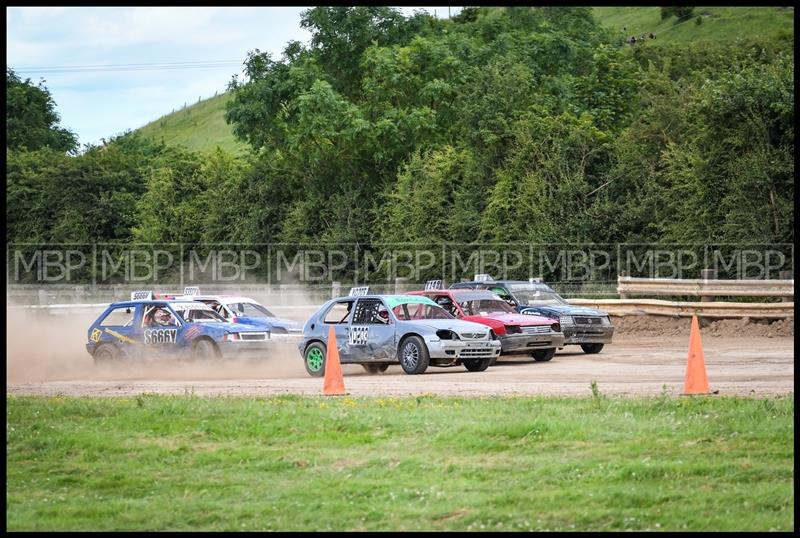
x=375, y=368
x=477, y=365
x=314, y=359
x=413, y=355
x=205, y=349
x=544, y=355
x=105, y=355
x=591, y=349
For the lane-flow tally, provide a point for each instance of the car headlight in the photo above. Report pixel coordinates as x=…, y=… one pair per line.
x=232, y=337
x=566, y=320
x=513, y=329
x=446, y=334
x=605, y=320
x=555, y=327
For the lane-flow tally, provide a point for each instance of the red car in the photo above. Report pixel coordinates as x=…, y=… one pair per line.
x=518, y=333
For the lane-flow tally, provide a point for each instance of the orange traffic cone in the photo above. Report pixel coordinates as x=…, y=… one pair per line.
x=696, y=381
x=334, y=383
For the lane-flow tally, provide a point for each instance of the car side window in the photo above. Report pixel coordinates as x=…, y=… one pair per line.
x=371, y=311
x=216, y=306
x=339, y=312
x=158, y=316
x=119, y=317
x=448, y=304
x=504, y=295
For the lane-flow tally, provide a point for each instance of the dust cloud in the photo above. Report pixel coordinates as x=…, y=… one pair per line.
x=45, y=346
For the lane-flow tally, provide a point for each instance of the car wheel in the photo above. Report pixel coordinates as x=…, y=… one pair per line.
x=591, y=348
x=314, y=359
x=375, y=368
x=477, y=365
x=544, y=355
x=204, y=350
x=105, y=354
x=413, y=355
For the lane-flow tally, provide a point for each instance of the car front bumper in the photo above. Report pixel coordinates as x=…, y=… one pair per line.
x=521, y=343
x=257, y=349
x=585, y=334
x=460, y=349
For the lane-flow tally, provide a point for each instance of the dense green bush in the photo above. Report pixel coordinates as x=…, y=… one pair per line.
x=503, y=124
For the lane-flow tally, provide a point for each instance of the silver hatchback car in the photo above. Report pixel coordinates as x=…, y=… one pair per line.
x=379, y=330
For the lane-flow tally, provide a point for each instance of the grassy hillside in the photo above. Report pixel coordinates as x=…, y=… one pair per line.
x=198, y=127
x=202, y=126
x=719, y=23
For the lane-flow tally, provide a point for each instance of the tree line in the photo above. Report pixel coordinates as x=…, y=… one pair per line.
x=512, y=124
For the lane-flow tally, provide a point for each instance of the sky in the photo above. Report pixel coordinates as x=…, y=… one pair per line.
x=114, y=69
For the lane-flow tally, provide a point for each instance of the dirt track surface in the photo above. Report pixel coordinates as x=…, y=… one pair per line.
x=633, y=365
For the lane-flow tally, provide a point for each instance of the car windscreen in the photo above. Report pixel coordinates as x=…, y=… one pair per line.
x=412, y=311
x=484, y=307
x=531, y=295
x=252, y=310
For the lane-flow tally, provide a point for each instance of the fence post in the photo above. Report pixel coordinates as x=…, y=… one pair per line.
x=787, y=275
x=622, y=295
x=399, y=284
x=80, y=294
x=336, y=289
x=708, y=274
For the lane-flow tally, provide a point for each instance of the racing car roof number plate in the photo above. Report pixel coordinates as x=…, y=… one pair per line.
x=361, y=290
x=141, y=295
x=483, y=277
x=191, y=291
x=433, y=285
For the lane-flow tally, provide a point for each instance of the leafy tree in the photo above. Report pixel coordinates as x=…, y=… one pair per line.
x=31, y=117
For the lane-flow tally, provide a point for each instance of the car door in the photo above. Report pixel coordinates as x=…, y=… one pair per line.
x=372, y=332
x=338, y=316
x=157, y=337
x=117, y=327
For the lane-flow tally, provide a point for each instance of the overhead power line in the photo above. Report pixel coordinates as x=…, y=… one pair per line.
x=127, y=67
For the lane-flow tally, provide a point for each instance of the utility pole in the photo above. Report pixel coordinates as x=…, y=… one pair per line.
x=448, y=12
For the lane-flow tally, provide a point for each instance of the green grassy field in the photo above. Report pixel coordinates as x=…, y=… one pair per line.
x=412, y=463
x=719, y=23
x=198, y=127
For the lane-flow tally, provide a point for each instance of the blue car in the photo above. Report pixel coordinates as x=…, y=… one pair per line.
x=178, y=328
x=587, y=327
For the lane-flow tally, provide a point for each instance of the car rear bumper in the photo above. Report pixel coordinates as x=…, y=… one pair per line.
x=519, y=343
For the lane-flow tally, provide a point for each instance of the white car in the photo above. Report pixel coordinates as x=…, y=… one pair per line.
x=237, y=309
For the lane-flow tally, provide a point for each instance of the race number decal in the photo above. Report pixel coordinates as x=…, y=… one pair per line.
x=160, y=336
x=96, y=335
x=358, y=336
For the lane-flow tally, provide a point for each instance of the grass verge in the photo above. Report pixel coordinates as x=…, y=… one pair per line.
x=411, y=463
